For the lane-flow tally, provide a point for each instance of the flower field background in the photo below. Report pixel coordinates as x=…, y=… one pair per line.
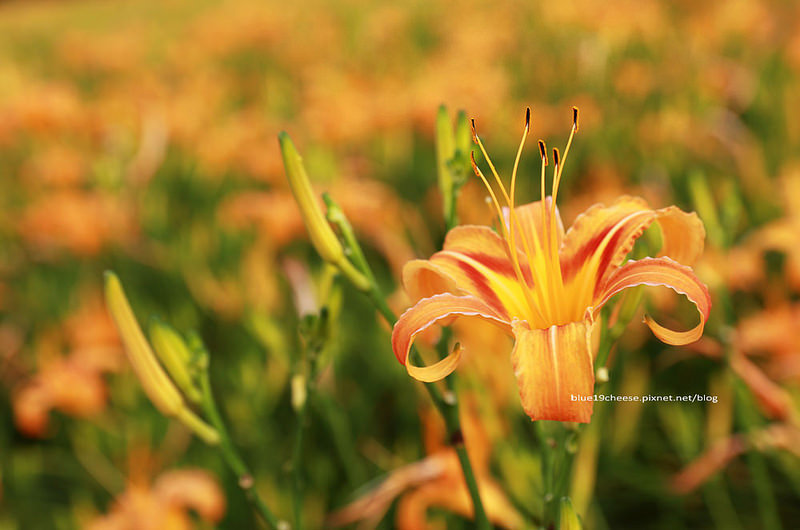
x=142, y=137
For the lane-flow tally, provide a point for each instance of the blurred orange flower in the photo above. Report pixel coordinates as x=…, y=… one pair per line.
x=81, y=222
x=770, y=335
x=781, y=235
x=71, y=383
x=775, y=436
x=437, y=481
x=164, y=505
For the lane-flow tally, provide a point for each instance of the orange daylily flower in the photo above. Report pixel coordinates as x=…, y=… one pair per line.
x=779, y=436
x=72, y=383
x=546, y=286
x=165, y=504
x=773, y=400
x=436, y=481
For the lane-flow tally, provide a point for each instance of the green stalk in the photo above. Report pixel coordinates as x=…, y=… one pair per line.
x=297, y=454
x=233, y=459
x=548, y=497
x=447, y=406
x=309, y=385
x=337, y=422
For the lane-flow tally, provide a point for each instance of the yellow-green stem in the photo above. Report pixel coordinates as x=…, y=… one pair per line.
x=232, y=458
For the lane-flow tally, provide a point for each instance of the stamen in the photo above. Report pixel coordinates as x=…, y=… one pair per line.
x=519, y=155
x=559, y=168
x=494, y=200
x=566, y=150
x=506, y=235
x=508, y=232
x=543, y=152
x=543, y=201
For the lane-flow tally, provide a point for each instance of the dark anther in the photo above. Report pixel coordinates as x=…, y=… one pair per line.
x=543, y=151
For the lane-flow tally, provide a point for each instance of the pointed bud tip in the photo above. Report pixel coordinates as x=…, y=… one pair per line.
x=568, y=518
x=286, y=143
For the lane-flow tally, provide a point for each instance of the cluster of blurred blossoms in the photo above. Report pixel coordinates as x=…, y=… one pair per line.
x=125, y=145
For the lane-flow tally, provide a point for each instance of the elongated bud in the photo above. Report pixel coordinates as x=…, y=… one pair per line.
x=568, y=519
x=463, y=133
x=154, y=380
x=445, y=151
x=321, y=233
x=337, y=217
x=175, y=356
x=445, y=147
x=156, y=383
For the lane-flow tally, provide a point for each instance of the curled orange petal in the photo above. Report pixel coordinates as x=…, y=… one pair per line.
x=667, y=273
x=611, y=231
x=423, y=279
x=608, y=230
x=428, y=312
x=683, y=235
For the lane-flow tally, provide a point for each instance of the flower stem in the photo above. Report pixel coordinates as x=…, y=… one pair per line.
x=308, y=374
x=232, y=458
x=297, y=479
x=447, y=405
